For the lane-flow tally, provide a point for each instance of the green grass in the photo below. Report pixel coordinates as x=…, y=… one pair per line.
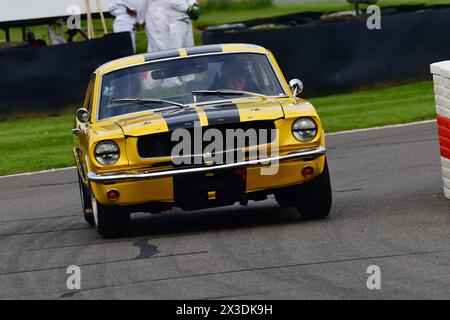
x=394, y=105
x=37, y=144
x=208, y=5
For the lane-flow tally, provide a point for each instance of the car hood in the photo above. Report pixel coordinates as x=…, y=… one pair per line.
x=209, y=115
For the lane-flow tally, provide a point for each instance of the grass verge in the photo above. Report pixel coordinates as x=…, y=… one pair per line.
x=45, y=143
x=36, y=144
x=366, y=109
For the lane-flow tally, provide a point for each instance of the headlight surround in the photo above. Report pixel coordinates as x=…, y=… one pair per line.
x=304, y=129
x=107, y=153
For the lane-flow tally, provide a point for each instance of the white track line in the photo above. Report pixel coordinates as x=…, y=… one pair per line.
x=382, y=127
x=37, y=172
x=328, y=134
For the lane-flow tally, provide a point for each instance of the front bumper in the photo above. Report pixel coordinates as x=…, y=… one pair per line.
x=116, y=177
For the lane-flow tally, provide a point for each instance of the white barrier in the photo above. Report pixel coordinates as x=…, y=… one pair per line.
x=441, y=78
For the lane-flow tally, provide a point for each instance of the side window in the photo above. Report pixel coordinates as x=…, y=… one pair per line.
x=89, y=94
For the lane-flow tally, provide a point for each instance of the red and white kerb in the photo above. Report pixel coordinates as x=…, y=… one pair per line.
x=441, y=78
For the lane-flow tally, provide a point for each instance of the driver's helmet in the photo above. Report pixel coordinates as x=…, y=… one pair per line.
x=233, y=76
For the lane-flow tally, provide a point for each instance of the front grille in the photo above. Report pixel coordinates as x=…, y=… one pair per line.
x=161, y=145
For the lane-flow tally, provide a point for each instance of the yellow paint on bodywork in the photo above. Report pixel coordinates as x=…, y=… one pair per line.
x=143, y=124
x=120, y=63
x=202, y=116
x=289, y=173
x=136, y=192
x=253, y=110
x=242, y=47
x=211, y=195
x=183, y=52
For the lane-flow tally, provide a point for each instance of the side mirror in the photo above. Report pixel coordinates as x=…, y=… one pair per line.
x=83, y=115
x=296, y=86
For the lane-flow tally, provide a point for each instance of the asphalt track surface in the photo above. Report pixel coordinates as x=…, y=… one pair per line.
x=389, y=210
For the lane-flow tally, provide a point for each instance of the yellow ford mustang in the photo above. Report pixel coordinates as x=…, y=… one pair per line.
x=196, y=128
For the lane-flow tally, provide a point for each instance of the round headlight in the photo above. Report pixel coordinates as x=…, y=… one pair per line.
x=107, y=153
x=304, y=129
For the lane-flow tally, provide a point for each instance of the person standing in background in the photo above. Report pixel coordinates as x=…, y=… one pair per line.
x=168, y=26
x=56, y=32
x=125, y=12
x=154, y=14
x=180, y=16
x=33, y=42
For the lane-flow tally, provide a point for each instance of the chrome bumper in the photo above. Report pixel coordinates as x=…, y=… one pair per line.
x=114, y=177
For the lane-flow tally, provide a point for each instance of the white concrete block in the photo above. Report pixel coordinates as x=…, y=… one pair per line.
x=445, y=162
x=446, y=183
x=440, y=90
x=446, y=173
x=443, y=102
x=446, y=176
x=445, y=167
x=439, y=80
x=442, y=111
x=441, y=68
x=447, y=193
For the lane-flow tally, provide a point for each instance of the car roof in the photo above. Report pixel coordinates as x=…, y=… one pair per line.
x=177, y=53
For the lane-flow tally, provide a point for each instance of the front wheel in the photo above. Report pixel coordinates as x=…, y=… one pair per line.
x=315, y=197
x=86, y=203
x=312, y=199
x=111, y=221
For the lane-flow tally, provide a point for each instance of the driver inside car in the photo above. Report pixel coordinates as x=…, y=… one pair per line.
x=234, y=76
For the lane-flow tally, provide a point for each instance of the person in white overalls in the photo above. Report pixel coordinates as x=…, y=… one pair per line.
x=125, y=12
x=154, y=14
x=180, y=22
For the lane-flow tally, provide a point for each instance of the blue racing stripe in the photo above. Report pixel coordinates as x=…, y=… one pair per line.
x=161, y=55
x=222, y=114
x=186, y=118
x=204, y=49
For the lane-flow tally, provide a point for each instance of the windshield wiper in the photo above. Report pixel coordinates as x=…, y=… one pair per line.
x=228, y=92
x=147, y=100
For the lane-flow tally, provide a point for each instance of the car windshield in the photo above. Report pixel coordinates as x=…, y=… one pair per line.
x=181, y=81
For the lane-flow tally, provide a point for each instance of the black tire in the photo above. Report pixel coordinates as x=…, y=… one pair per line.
x=312, y=199
x=315, y=198
x=286, y=197
x=112, y=222
x=86, y=203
